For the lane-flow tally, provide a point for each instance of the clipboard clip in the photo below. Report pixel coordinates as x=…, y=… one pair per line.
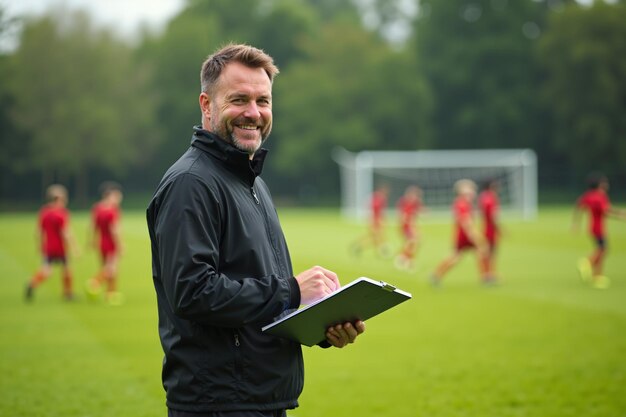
x=387, y=287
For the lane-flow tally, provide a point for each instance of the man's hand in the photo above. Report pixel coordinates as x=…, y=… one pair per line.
x=343, y=334
x=316, y=283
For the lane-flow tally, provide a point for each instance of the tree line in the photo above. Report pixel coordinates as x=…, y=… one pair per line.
x=79, y=104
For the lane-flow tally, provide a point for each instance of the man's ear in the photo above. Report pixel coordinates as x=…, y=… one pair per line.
x=205, y=105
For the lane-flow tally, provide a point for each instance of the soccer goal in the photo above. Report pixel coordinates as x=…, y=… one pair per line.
x=435, y=172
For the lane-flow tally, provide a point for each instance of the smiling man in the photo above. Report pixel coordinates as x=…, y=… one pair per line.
x=238, y=106
x=221, y=266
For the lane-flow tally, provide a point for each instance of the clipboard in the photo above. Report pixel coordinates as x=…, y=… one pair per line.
x=361, y=299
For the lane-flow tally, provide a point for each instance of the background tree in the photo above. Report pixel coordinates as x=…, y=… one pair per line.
x=584, y=56
x=352, y=90
x=80, y=100
x=478, y=58
x=76, y=102
x=11, y=149
x=276, y=26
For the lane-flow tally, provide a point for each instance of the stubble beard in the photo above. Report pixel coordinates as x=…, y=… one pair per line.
x=226, y=132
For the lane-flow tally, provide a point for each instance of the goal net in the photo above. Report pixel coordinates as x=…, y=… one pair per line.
x=435, y=172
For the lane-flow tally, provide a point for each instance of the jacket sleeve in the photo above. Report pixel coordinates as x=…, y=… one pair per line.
x=187, y=230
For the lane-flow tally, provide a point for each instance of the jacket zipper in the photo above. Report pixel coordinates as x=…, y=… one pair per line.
x=256, y=199
x=272, y=237
x=237, y=343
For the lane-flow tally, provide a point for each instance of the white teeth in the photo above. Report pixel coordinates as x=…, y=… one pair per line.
x=247, y=127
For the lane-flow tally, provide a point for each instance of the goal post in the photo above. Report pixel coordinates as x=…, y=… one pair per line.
x=435, y=172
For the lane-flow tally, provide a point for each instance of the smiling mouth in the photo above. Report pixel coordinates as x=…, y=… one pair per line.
x=248, y=127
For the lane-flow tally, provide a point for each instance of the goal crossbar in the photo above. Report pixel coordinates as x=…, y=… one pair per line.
x=516, y=167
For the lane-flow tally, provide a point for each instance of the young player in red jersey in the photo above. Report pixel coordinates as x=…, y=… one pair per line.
x=55, y=240
x=376, y=232
x=596, y=201
x=408, y=206
x=466, y=235
x=489, y=205
x=106, y=239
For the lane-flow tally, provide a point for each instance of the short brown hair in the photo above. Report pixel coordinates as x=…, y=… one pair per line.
x=245, y=54
x=108, y=187
x=56, y=192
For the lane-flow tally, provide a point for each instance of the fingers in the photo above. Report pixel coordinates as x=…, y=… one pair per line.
x=330, y=278
x=344, y=334
x=316, y=283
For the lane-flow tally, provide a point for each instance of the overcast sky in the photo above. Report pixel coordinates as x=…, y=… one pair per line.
x=123, y=15
x=126, y=15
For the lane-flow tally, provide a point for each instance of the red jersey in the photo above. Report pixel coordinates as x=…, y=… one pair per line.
x=489, y=204
x=408, y=208
x=598, y=204
x=462, y=211
x=52, y=223
x=378, y=205
x=104, y=219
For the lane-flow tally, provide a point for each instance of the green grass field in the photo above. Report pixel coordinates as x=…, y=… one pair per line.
x=541, y=344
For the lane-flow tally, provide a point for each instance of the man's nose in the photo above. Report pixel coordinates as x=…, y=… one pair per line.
x=252, y=110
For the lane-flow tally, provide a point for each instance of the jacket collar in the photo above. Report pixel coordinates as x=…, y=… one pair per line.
x=235, y=159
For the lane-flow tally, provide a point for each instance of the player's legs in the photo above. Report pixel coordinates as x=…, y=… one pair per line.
x=68, y=292
x=378, y=239
x=374, y=237
x=94, y=285
x=113, y=296
x=110, y=268
x=445, y=266
x=597, y=257
x=597, y=264
x=107, y=274
x=487, y=263
x=42, y=274
x=406, y=257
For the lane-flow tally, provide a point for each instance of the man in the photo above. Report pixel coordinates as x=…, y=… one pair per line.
x=221, y=267
x=55, y=240
x=105, y=217
x=596, y=201
x=466, y=235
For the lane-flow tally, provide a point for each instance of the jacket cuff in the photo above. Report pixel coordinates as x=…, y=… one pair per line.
x=324, y=344
x=294, y=294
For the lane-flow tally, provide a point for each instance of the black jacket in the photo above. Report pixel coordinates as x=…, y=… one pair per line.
x=221, y=270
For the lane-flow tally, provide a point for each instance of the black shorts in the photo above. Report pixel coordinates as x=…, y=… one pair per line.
x=600, y=242
x=241, y=413
x=55, y=259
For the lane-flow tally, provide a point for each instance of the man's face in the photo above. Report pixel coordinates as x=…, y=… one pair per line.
x=240, y=110
x=467, y=192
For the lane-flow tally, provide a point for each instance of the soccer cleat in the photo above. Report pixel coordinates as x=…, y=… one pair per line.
x=92, y=289
x=601, y=282
x=489, y=281
x=115, y=298
x=28, y=294
x=584, y=269
x=435, y=281
x=401, y=263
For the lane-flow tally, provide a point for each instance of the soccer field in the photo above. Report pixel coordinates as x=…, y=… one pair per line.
x=541, y=344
